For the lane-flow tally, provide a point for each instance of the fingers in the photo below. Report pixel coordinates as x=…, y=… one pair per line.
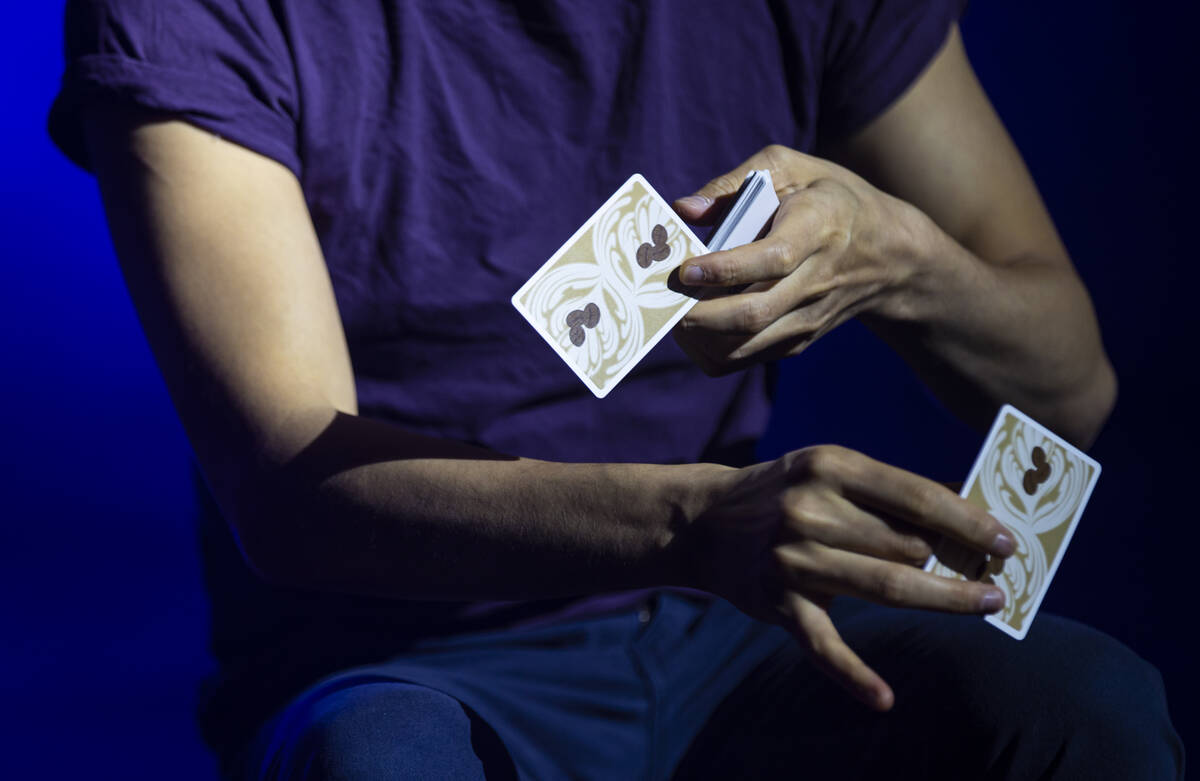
x=744, y=313
x=835, y=522
x=771, y=258
x=909, y=497
x=717, y=340
x=830, y=571
x=797, y=232
x=759, y=306
x=790, y=170
x=705, y=205
x=835, y=658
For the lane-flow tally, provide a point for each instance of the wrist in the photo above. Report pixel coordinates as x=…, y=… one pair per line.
x=909, y=248
x=689, y=491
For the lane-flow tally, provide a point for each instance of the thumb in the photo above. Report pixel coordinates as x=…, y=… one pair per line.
x=707, y=203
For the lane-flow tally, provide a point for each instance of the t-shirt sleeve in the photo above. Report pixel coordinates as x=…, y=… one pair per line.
x=874, y=51
x=222, y=65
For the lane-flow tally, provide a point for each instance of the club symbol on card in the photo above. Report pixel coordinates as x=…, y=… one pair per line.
x=988, y=569
x=652, y=253
x=579, y=319
x=1039, y=474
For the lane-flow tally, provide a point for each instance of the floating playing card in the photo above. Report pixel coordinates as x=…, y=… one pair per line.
x=602, y=300
x=1037, y=485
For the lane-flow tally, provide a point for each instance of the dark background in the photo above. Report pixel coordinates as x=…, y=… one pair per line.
x=102, y=629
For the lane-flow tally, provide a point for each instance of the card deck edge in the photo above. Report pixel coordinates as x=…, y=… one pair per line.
x=769, y=189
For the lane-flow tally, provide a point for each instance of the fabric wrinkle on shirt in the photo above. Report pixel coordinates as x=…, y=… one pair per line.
x=445, y=149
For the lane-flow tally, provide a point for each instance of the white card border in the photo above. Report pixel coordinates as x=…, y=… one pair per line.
x=1019, y=634
x=651, y=343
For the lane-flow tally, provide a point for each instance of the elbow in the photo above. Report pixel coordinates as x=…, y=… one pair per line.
x=1092, y=406
x=275, y=505
x=269, y=525
x=252, y=525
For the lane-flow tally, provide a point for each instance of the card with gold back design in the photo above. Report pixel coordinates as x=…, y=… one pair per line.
x=610, y=294
x=1037, y=485
x=603, y=300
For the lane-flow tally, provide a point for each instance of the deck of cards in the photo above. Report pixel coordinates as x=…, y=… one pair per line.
x=1036, y=484
x=610, y=293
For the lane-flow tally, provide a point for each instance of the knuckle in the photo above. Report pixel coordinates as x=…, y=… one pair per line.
x=914, y=548
x=925, y=501
x=830, y=460
x=755, y=314
x=891, y=586
x=837, y=235
x=791, y=502
x=776, y=155
x=718, y=185
x=720, y=271
x=821, y=645
x=801, y=464
x=802, y=507
x=780, y=259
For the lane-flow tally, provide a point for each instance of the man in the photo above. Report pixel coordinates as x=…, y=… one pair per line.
x=321, y=213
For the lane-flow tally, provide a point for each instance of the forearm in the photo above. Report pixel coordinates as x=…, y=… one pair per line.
x=982, y=333
x=369, y=508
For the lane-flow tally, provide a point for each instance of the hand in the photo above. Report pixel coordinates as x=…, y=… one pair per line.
x=787, y=536
x=836, y=247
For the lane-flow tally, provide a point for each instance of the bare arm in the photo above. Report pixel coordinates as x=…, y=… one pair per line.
x=228, y=278
x=1000, y=313
x=948, y=253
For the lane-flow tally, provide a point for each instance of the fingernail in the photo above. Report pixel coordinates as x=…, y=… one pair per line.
x=692, y=275
x=992, y=601
x=695, y=202
x=1004, y=545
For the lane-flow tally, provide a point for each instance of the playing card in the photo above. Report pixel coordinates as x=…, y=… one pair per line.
x=603, y=301
x=1037, y=485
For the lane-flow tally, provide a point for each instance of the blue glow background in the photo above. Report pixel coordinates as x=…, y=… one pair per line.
x=102, y=629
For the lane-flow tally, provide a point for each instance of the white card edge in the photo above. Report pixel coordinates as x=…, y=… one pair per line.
x=650, y=189
x=974, y=473
x=769, y=188
x=650, y=344
x=562, y=248
x=749, y=218
x=686, y=307
x=1052, y=570
x=596, y=391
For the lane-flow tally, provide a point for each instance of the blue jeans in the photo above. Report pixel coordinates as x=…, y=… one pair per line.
x=689, y=689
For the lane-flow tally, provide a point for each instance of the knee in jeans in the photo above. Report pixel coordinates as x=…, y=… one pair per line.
x=385, y=730
x=1106, y=703
x=1120, y=699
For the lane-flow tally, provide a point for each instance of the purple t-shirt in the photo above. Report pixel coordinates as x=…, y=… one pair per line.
x=445, y=149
